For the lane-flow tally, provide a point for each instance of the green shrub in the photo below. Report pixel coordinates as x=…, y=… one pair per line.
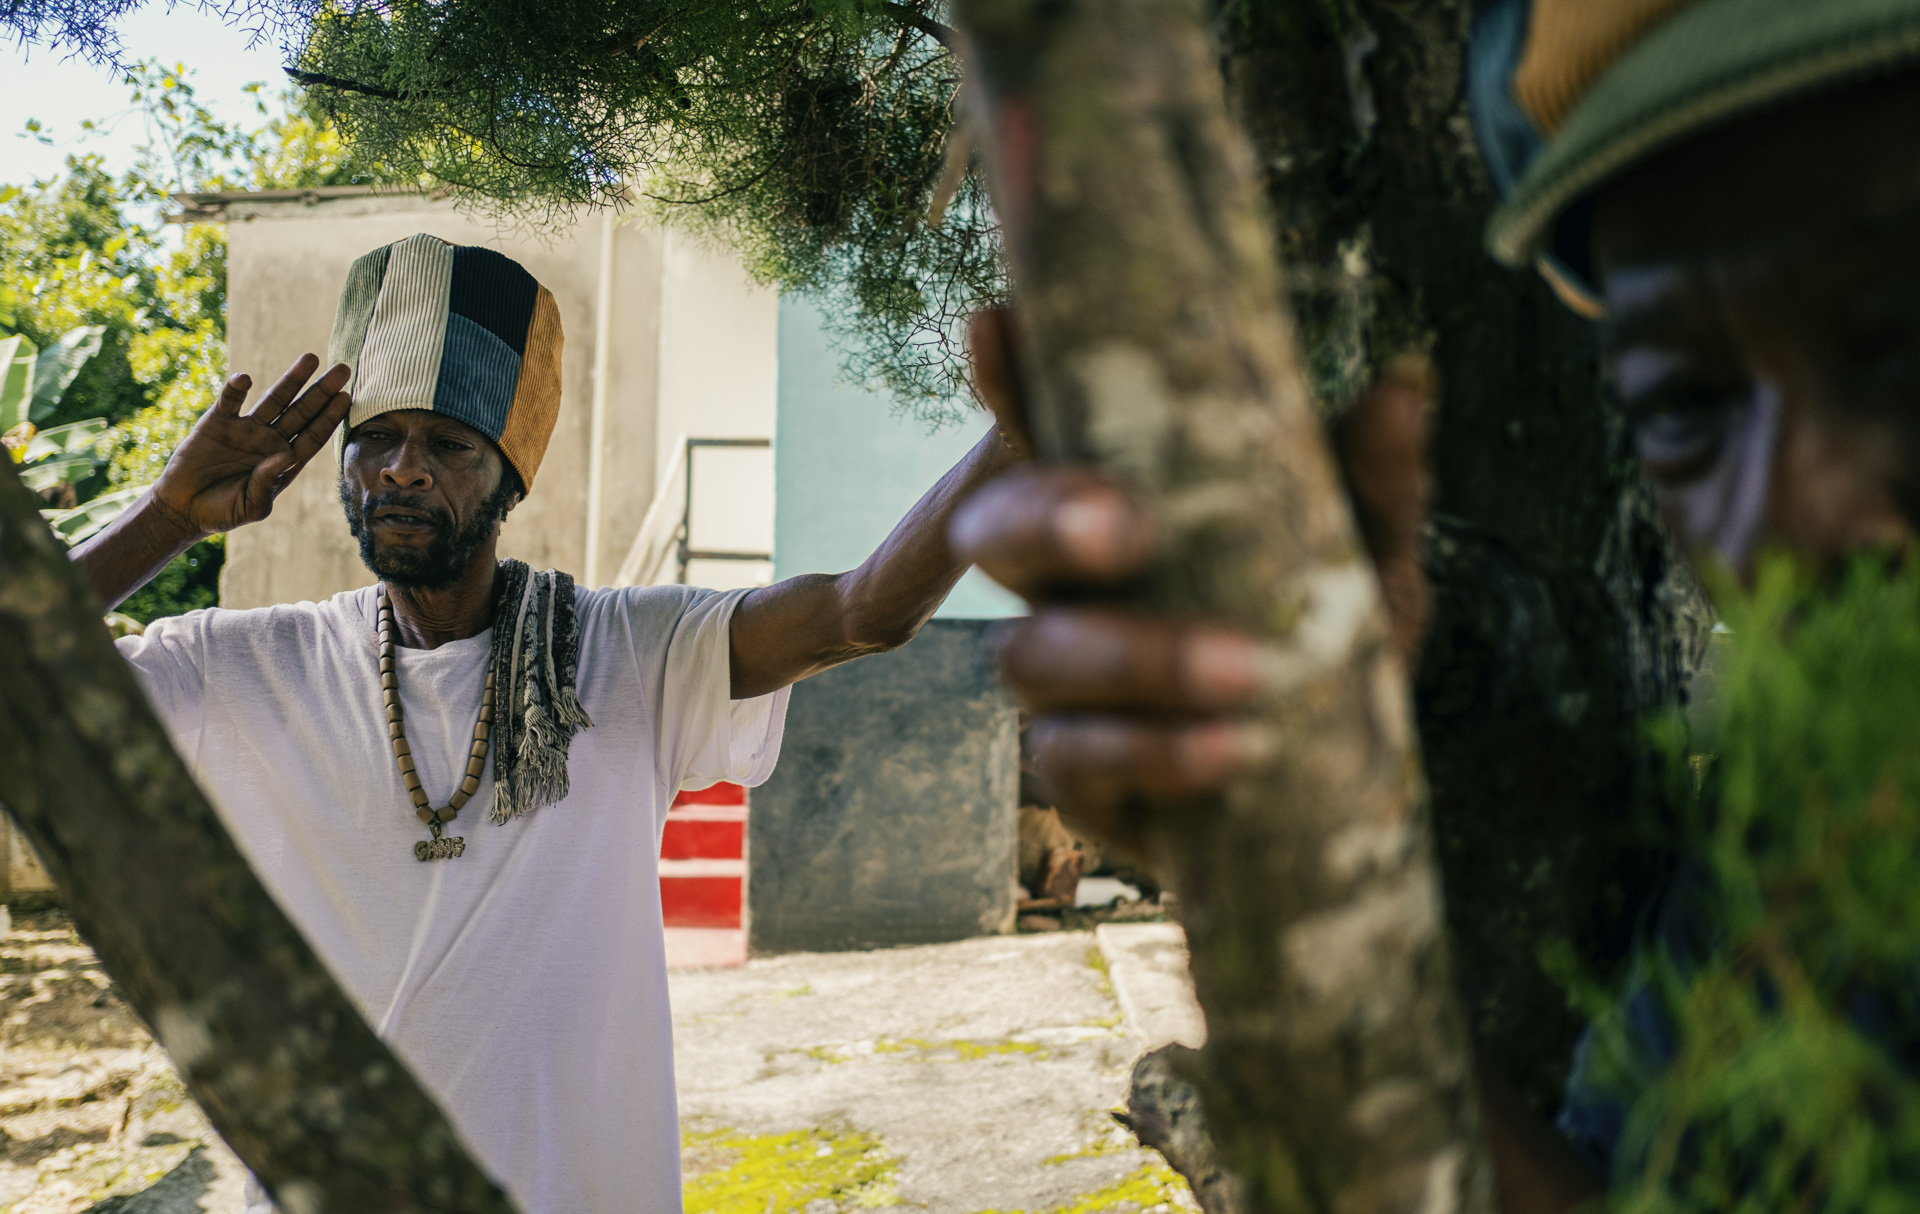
x=1784, y=1094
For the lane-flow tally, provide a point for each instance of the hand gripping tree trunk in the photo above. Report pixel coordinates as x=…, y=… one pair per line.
x=1336, y=1072
x=290, y=1075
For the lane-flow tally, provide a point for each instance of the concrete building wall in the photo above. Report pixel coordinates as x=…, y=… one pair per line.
x=892, y=817
x=667, y=306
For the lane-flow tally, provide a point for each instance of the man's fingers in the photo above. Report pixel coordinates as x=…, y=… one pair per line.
x=233, y=394
x=1081, y=658
x=1036, y=528
x=314, y=435
x=996, y=374
x=1098, y=765
x=313, y=402
x=278, y=397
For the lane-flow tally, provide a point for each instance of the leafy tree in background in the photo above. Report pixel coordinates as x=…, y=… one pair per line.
x=87, y=249
x=810, y=135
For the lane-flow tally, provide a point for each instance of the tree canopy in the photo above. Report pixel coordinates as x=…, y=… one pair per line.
x=811, y=135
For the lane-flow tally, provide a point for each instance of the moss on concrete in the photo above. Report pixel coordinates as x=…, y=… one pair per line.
x=729, y=1172
x=733, y=1173
x=1149, y=1189
x=962, y=1051
x=925, y=1050
x=1097, y=962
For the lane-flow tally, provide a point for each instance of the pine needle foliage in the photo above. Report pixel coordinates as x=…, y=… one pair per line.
x=1794, y=1083
x=808, y=135
x=78, y=27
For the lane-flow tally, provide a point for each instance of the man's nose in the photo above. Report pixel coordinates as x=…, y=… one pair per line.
x=407, y=468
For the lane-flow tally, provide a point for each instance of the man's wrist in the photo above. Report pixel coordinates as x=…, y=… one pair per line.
x=169, y=523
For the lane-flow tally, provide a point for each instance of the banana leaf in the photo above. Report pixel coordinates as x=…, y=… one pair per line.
x=16, y=380
x=56, y=366
x=83, y=520
x=60, y=470
x=71, y=439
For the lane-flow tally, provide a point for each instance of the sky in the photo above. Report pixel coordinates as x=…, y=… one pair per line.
x=61, y=93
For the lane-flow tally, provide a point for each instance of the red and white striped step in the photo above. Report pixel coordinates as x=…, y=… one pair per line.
x=703, y=878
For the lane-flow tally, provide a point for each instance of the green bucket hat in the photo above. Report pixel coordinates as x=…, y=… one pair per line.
x=1568, y=94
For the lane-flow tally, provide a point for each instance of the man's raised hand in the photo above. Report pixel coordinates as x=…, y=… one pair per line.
x=225, y=475
x=233, y=464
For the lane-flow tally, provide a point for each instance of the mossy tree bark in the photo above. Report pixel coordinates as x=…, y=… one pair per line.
x=1561, y=617
x=1157, y=345
x=285, y=1068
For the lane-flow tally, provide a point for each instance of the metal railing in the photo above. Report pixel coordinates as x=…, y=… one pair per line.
x=665, y=536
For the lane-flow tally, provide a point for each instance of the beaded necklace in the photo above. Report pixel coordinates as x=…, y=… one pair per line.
x=437, y=848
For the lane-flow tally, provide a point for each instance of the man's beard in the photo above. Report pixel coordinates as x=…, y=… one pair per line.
x=446, y=556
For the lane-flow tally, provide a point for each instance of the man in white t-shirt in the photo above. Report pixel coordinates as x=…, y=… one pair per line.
x=508, y=949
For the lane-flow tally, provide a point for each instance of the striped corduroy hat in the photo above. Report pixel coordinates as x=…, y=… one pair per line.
x=456, y=329
x=1569, y=94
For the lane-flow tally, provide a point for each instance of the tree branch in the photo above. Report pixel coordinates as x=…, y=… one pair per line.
x=1157, y=346
x=906, y=15
x=320, y=79
x=1163, y=1111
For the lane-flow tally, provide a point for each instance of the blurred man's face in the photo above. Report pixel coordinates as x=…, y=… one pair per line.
x=1763, y=339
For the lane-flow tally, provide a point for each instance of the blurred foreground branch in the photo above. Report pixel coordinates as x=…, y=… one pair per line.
x=1156, y=343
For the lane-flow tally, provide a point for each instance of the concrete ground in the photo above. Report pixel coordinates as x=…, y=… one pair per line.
x=983, y=1072
x=956, y=1079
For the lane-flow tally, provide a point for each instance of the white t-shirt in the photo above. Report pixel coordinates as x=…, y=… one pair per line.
x=525, y=981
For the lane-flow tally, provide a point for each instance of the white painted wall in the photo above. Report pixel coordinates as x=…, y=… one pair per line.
x=719, y=378
x=719, y=333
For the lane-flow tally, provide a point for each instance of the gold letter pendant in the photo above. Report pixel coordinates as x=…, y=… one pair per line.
x=439, y=849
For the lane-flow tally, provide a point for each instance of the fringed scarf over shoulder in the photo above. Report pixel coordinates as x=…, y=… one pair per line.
x=536, y=664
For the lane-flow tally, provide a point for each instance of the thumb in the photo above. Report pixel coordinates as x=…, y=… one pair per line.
x=1382, y=443
x=1383, y=448
x=996, y=374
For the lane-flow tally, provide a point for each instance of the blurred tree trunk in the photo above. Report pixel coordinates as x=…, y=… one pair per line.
x=285, y=1068
x=1560, y=615
x=1157, y=345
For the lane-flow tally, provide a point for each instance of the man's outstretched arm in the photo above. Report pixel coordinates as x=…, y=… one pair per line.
x=787, y=631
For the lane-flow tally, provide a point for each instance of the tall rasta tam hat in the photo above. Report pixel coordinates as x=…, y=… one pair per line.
x=460, y=330
x=1569, y=94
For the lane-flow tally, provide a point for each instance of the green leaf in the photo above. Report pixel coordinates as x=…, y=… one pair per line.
x=54, y=369
x=16, y=380
x=83, y=520
x=73, y=438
